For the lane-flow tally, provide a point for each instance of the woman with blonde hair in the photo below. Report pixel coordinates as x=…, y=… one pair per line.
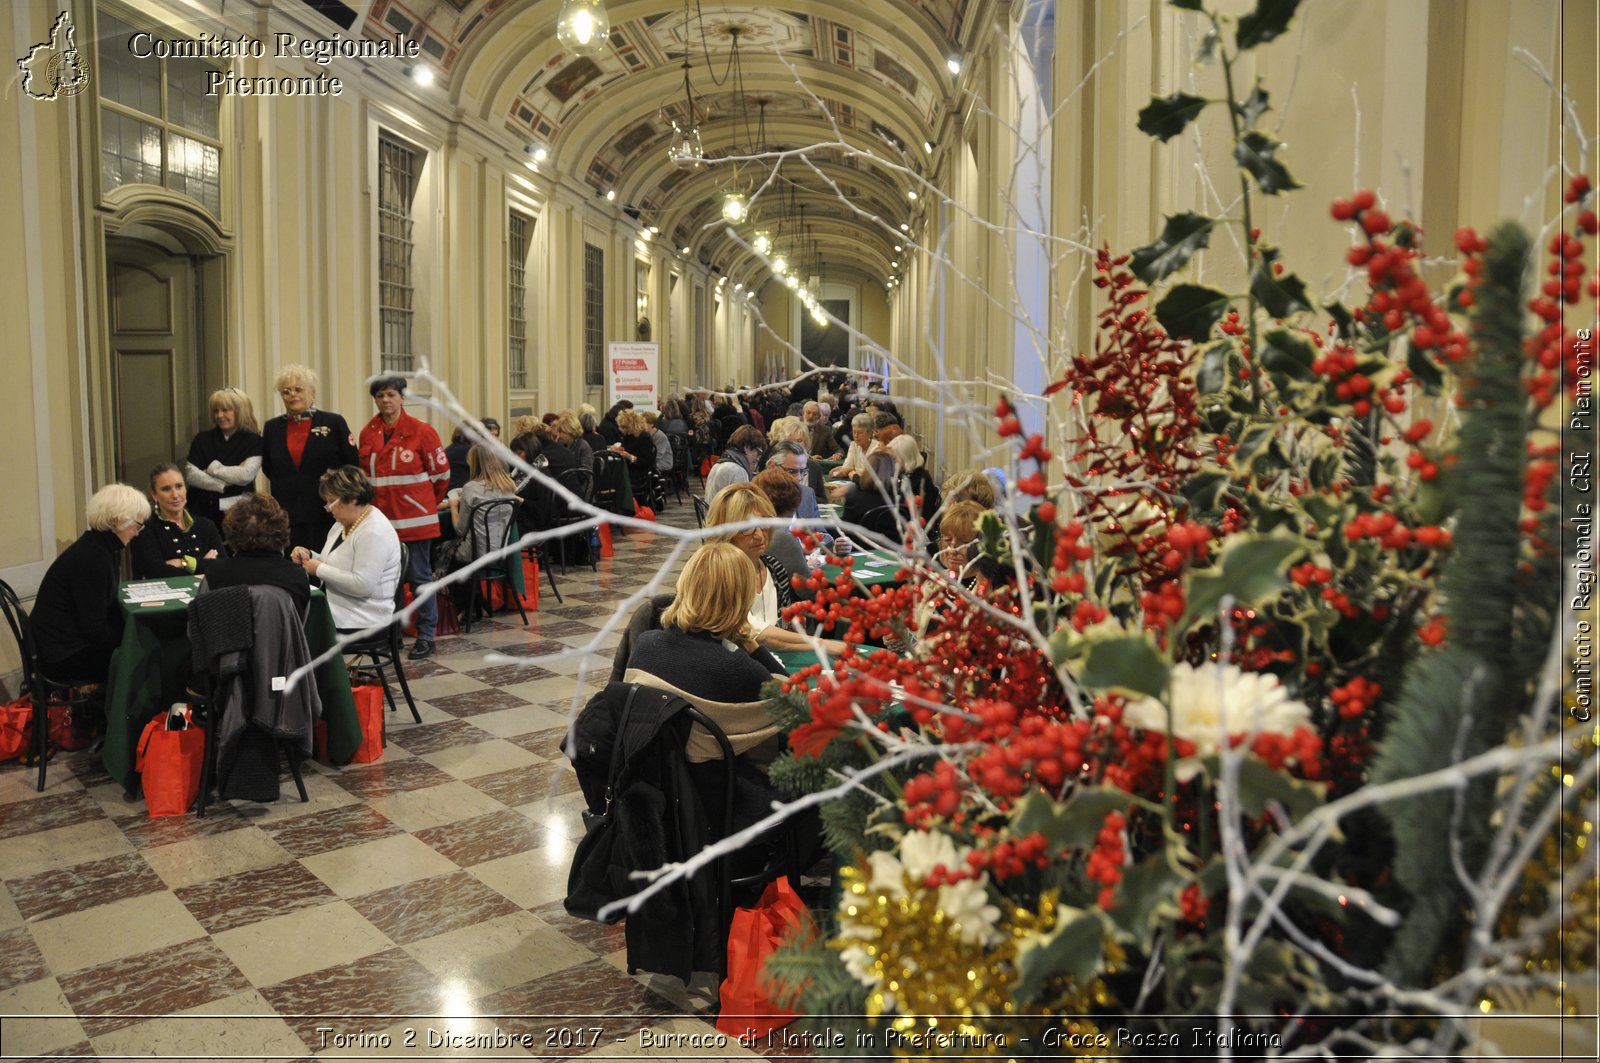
x=706, y=652
x=224, y=460
x=300, y=445
x=568, y=431
x=489, y=482
x=736, y=504
x=77, y=620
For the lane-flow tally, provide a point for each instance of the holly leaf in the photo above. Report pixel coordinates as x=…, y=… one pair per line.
x=1072, y=949
x=1213, y=373
x=1288, y=354
x=1165, y=116
x=1251, y=571
x=1204, y=490
x=1280, y=296
x=1341, y=318
x=1190, y=310
x=1145, y=888
x=1267, y=22
x=1254, y=106
x=1259, y=784
x=1424, y=370
x=1072, y=825
x=1180, y=238
x=1256, y=152
x=1130, y=663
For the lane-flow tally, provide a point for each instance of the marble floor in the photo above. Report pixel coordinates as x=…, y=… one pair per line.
x=411, y=910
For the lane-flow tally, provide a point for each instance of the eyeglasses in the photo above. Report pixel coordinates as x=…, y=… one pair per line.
x=139, y=524
x=286, y=392
x=794, y=470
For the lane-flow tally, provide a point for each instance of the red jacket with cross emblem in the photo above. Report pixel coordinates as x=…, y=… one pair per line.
x=409, y=472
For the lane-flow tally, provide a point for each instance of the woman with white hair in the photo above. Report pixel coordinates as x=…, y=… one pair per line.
x=77, y=620
x=301, y=445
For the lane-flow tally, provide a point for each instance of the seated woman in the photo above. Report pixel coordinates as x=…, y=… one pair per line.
x=359, y=565
x=637, y=448
x=77, y=620
x=736, y=504
x=173, y=543
x=257, y=532
x=706, y=653
x=490, y=481
x=785, y=548
x=875, y=504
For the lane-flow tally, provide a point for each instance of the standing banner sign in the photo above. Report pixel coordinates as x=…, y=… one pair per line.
x=632, y=376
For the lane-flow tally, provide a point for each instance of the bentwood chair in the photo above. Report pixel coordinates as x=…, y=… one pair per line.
x=43, y=691
x=481, y=535
x=384, y=648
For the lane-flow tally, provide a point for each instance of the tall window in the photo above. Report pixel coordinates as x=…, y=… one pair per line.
x=157, y=125
x=397, y=187
x=517, y=324
x=594, y=307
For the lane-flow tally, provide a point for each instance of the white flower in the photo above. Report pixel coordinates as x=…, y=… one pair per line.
x=966, y=905
x=1254, y=702
x=888, y=876
x=922, y=850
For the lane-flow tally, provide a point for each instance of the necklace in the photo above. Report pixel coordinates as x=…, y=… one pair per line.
x=351, y=530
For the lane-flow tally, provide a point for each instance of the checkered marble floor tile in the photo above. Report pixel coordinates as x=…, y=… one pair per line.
x=412, y=907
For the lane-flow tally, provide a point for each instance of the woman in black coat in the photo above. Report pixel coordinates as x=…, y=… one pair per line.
x=174, y=542
x=301, y=445
x=257, y=531
x=225, y=460
x=76, y=618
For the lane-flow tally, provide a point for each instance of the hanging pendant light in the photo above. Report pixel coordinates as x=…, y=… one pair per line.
x=735, y=207
x=583, y=26
x=687, y=150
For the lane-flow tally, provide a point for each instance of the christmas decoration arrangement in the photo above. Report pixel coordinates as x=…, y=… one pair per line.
x=1249, y=729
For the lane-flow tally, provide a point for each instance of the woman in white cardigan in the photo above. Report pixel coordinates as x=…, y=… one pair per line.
x=359, y=566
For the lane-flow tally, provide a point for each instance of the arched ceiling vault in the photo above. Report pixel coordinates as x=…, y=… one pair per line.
x=864, y=78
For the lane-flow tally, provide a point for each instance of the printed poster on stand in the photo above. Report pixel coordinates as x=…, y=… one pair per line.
x=632, y=373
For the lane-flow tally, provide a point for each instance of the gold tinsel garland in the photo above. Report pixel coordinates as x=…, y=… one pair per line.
x=941, y=994
x=1557, y=875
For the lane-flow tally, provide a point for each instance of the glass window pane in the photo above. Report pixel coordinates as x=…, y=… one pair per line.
x=187, y=103
x=130, y=150
x=128, y=80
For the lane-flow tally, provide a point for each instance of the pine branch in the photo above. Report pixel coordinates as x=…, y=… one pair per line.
x=1462, y=701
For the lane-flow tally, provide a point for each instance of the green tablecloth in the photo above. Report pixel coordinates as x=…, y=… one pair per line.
x=881, y=573
x=150, y=671
x=827, y=464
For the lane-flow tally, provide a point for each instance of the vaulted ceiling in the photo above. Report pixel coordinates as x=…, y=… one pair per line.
x=827, y=112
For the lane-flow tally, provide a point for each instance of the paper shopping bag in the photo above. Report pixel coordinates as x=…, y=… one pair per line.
x=168, y=763
x=747, y=1005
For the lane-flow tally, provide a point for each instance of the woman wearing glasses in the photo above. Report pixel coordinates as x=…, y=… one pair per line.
x=301, y=445
x=77, y=621
x=224, y=460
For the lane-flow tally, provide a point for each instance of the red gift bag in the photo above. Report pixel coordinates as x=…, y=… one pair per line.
x=530, y=583
x=445, y=622
x=705, y=467
x=16, y=728
x=369, y=710
x=643, y=512
x=756, y=933
x=70, y=728
x=606, y=550
x=168, y=763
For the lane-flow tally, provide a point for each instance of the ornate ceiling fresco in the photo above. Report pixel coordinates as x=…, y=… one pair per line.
x=851, y=83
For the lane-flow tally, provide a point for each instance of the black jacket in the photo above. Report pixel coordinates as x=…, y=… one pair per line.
x=162, y=539
x=263, y=568
x=330, y=444
x=655, y=817
x=77, y=608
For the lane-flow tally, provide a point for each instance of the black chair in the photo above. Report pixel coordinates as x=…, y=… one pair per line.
x=480, y=541
x=44, y=691
x=581, y=483
x=538, y=502
x=232, y=686
x=702, y=509
x=680, y=463
x=384, y=649
x=608, y=471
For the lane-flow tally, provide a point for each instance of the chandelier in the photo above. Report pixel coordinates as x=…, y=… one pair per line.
x=583, y=26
